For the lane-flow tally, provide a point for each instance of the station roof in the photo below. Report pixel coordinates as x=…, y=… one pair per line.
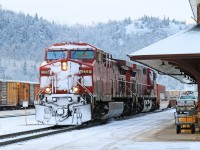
x=169, y=55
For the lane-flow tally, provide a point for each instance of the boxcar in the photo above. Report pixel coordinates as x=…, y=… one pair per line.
x=13, y=93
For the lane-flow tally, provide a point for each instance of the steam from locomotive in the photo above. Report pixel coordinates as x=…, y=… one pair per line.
x=80, y=83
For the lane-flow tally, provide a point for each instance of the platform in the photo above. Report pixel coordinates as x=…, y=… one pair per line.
x=167, y=133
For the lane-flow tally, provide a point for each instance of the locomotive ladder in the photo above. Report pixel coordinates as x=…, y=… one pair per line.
x=131, y=92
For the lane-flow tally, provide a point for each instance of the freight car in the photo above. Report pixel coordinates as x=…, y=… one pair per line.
x=163, y=100
x=80, y=82
x=13, y=93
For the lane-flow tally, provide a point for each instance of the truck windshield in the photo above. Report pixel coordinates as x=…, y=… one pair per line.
x=188, y=97
x=82, y=54
x=53, y=55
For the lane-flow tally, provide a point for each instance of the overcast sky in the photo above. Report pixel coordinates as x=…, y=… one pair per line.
x=89, y=11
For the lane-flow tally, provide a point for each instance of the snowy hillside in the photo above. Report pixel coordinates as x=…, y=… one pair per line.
x=23, y=39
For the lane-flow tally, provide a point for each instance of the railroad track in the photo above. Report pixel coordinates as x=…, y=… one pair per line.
x=43, y=132
x=38, y=133
x=33, y=134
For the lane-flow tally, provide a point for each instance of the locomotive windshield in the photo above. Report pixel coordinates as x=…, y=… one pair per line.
x=82, y=54
x=53, y=55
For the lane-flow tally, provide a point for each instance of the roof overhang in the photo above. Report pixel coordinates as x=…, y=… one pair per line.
x=171, y=55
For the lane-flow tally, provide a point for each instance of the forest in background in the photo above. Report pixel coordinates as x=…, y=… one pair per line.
x=24, y=38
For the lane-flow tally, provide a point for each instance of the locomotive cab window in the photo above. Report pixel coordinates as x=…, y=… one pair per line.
x=55, y=54
x=82, y=54
x=144, y=71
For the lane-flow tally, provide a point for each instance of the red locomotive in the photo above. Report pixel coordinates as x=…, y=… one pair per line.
x=80, y=82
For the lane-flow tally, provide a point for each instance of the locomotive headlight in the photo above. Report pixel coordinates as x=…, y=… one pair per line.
x=48, y=90
x=64, y=66
x=76, y=89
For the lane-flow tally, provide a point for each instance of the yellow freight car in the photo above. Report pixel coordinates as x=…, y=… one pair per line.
x=13, y=93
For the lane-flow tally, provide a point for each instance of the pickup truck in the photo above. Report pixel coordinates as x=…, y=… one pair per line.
x=186, y=103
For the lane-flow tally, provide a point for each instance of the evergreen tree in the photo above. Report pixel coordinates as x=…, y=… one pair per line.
x=25, y=68
x=24, y=38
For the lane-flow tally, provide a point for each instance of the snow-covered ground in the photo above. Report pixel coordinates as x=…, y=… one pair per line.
x=17, y=124
x=141, y=133
x=16, y=112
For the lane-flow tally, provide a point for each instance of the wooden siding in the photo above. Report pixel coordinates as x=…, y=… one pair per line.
x=24, y=92
x=12, y=94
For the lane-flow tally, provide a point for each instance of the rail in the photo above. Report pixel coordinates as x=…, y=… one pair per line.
x=38, y=133
x=32, y=134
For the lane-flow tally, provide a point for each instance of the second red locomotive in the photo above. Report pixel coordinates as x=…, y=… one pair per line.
x=80, y=82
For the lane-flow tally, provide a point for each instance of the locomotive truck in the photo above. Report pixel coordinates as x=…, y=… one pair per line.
x=80, y=82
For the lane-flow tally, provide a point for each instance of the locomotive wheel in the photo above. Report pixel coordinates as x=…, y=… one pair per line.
x=178, y=129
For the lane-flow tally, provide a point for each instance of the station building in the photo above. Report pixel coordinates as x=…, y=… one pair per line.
x=177, y=56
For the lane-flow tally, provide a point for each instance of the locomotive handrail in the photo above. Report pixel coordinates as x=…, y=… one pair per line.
x=40, y=91
x=131, y=92
x=85, y=89
x=124, y=81
x=132, y=82
x=91, y=95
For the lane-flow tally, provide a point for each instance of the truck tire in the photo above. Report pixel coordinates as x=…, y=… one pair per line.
x=192, y=129
x=178, y=129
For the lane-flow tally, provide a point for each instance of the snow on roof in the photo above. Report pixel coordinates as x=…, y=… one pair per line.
x=183, y=44
x=7, y=80
x=71, y=46
x=186, y=42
